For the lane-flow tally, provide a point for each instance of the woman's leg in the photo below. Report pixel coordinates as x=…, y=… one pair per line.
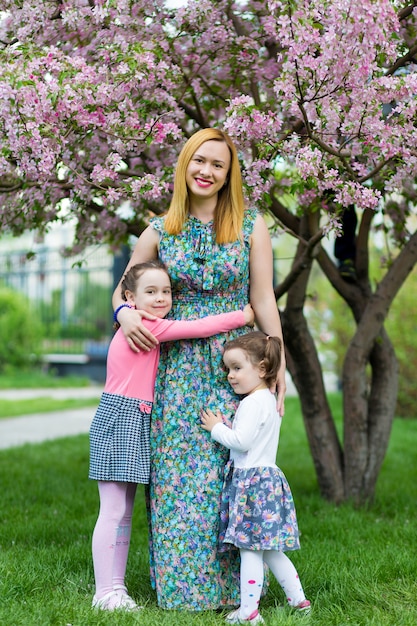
x=251, y=581
x=286, y=574
x=113, y=508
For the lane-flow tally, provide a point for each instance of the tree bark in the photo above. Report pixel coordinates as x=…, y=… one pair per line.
x=370, y=373
x=306, y=372
x=369, y=407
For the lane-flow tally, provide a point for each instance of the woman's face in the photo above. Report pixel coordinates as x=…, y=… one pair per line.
x=208, y=169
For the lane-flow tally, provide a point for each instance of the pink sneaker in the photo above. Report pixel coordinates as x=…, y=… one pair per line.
x=304, y=607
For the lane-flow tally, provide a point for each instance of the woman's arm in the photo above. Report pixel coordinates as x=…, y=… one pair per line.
x=262, y=295
x=130, y=320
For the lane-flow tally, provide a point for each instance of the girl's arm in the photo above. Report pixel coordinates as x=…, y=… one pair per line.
x=262, y=295
x=171, y=330
x=130, y=320
x=242, y=436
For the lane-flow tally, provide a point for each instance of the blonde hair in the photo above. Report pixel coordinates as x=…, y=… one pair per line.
x=228, y=217
x=262, y=350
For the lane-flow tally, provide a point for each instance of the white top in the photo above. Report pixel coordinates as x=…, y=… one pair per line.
x=253, y=438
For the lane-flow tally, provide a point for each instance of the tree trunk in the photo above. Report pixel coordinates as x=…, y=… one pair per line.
x=305, y=369
x=369, y=412
x=370, y=373
x=369, y=408
x=306, y=372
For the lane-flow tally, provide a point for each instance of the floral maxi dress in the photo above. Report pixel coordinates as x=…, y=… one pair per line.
x=187, y=467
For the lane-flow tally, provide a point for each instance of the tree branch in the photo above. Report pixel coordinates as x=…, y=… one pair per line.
x=406, y=11
x=409, y=57
x=285, y=217
x=300, y=264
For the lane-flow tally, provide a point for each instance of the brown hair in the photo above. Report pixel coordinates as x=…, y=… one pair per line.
x=228, y=218
x=261, y=350
x=130, y=279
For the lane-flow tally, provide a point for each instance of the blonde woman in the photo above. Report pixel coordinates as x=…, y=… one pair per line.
x=219, y=255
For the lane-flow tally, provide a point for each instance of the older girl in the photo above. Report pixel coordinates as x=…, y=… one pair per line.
x=119, y=433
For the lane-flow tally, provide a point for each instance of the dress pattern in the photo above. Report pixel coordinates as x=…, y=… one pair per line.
x=187, y=466
x=257, y=510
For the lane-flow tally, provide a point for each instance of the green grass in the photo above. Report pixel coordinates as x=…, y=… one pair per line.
x=14, y=408
x=358, y=567
x=34, y=379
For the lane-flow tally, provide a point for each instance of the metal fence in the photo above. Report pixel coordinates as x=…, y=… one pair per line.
x=71, y=296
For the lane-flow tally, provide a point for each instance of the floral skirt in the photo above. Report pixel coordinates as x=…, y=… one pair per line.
x=257, y=510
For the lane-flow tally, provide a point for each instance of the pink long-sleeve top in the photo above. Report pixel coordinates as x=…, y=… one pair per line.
x=132, y=374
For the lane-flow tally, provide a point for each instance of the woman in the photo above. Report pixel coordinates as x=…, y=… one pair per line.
x=219, y=255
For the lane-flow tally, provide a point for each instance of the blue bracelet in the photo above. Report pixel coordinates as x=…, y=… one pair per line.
x=117, y=311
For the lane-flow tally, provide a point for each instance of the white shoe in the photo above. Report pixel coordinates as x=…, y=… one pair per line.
x=254, y=618
x=127, y=601
x=115, y=600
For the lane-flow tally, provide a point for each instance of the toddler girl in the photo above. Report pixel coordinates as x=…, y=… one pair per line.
x=257, y=512
x=119, y=433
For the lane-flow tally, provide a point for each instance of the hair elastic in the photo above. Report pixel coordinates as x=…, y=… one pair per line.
x=117, y=311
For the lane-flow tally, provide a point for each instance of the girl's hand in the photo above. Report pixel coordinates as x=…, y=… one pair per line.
x=137, y=335
x=249, y=315
x=209, y=419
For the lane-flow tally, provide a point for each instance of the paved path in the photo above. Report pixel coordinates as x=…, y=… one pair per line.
x=40, y=427
x=60, y=393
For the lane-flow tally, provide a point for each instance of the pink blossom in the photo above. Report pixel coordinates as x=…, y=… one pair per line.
x=96, y=104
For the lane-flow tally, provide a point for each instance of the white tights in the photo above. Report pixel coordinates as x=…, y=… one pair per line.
x=252, y=578
x=111, y=536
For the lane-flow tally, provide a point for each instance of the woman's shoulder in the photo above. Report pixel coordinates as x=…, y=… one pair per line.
x=249, y=218
x=158, y=223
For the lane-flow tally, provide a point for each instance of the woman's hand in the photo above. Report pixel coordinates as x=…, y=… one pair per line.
x=281, y=389
x=137, y=335
x=249, y=315
x=209, y=419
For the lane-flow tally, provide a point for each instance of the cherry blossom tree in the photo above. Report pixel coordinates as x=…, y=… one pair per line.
x=97, y=97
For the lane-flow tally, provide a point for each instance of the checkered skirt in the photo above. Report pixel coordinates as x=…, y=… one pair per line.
x=119, y=440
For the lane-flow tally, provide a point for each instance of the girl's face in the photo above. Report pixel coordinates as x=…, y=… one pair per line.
x=153, y=293
x=243, y=376
x=207, y=170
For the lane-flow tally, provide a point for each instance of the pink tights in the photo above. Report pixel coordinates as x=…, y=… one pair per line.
x=111, y=536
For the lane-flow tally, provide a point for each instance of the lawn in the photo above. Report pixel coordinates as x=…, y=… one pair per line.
x=358, y=567
x=35, y=379
x=43, y=404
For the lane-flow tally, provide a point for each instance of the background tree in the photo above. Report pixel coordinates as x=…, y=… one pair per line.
x=98, y=96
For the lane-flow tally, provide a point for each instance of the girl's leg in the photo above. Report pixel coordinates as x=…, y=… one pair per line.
x=113, y=498
x=123, y=540
x=286, y=574
x=251, y=582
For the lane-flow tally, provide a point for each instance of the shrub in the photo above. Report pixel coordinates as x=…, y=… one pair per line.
x=20, y=332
